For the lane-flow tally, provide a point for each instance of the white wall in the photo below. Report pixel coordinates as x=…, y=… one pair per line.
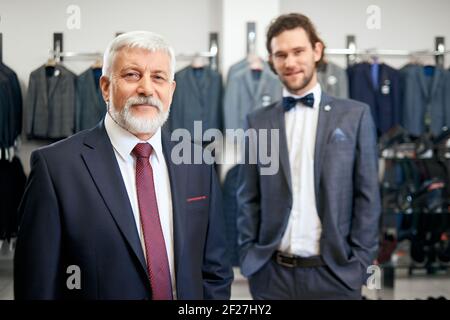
x=405, y=24
x=28, y=27
x=236, y=14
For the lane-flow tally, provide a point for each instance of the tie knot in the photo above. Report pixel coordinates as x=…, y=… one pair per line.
x=143, y=150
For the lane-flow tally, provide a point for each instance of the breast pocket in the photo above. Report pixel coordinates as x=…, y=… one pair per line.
x=197, y=203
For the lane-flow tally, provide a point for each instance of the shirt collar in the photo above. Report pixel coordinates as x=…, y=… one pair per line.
x=124, y=142
x=316, y=91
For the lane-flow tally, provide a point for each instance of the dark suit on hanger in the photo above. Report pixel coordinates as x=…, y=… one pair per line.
x=424, y=94
x=198, y=97
x=50, y=104
x=346, y=190
x=13, y=104
x=384, y=98
x=76, y=211
x=90, y=107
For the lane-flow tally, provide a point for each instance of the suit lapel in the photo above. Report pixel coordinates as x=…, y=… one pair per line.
x=53, y=80
x=178, y=179
x=101, y=162
x=278, y=122
x=43, y=82
x=323, y=131
x=195, y=83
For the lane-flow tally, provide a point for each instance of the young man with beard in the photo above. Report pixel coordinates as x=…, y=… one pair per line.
x=107, y=214
x=310, y=230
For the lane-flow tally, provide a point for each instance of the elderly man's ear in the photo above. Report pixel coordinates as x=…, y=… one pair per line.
x=104, y=85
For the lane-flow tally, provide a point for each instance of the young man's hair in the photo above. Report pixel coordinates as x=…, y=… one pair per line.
x=292, y=21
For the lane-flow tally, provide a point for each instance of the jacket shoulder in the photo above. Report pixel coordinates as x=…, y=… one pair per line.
x=264, y=113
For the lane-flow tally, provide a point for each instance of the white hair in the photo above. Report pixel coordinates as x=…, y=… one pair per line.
x=137, y=39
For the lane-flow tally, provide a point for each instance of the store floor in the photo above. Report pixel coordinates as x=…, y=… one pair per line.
x=406, y=287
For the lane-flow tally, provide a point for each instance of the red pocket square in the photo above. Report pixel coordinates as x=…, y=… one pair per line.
x=196, y=198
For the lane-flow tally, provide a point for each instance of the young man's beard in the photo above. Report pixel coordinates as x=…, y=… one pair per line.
x=305, y=82
x=136, y=124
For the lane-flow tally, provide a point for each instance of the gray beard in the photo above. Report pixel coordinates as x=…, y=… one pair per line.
x=139, y=125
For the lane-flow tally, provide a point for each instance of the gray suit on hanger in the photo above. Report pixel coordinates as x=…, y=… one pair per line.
x=347, y=200
x=333, y=80
x=50, y=104
x=90, y=106
x=243, y=94
x=422, y=94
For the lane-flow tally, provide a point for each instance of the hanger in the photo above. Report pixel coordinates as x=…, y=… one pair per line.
x=51, y=62
x=98, y=64
x=255, y=62
x=198, y=61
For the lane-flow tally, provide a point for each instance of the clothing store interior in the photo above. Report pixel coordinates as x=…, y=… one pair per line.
x=392, y=55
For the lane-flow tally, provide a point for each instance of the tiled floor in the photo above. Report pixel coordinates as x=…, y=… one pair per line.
x=405, y=287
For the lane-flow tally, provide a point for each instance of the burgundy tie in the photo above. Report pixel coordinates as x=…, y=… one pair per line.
x=157, y=262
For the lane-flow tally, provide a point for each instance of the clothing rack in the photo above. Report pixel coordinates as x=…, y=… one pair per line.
x=352, y=52
x=58, y=53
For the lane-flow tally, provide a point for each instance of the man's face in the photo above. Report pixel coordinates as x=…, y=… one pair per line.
x=140, y=90
x=294, y=59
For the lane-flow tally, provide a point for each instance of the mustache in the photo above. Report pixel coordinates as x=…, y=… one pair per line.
x=152, y=101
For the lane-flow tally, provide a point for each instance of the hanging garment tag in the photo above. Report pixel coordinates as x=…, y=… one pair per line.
x=332, y=80
x=266, y=100
x=386, y=87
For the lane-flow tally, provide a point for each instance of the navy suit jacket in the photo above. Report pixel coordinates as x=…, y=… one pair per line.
x=384, y=100
x=76, y=211
x=198, y=97
x=346, y=189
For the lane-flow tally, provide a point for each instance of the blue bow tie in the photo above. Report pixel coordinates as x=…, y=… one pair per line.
x=290, y=102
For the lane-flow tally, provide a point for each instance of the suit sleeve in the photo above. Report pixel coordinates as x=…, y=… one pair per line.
x=37, y=255
x=367, y=209
x=30, y=106
x=217, y=271
x=249, y=201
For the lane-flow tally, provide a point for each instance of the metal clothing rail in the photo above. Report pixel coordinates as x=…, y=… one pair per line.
x=385, y=52
x=212, y=54
x=352, y=52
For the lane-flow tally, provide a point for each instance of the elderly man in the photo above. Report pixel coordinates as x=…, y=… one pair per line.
x=107, y=214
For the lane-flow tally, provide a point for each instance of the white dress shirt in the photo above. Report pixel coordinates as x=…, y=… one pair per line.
x=123, y=143
x=303, y=231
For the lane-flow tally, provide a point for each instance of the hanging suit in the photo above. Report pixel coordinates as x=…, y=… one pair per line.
x=424, y=94
x=50, y=103
x=10, y=107
x=333, y=80
x=383, y=97
x=244, y=94
x=90, y=107
x=12, y=186
x=198, y=97
x=241, y=64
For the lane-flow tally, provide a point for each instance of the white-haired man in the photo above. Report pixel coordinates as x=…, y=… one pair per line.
x=107, y=214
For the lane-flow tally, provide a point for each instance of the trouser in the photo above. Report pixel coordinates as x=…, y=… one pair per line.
x=277, y=282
